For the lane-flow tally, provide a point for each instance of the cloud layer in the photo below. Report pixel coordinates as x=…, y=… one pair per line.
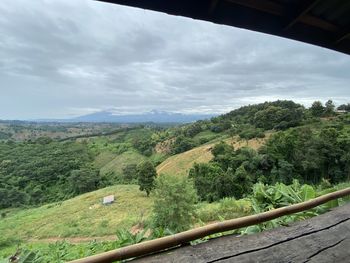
x=66, y=58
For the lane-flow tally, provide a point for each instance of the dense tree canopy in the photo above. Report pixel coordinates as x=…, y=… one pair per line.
x=309, y=155
x=274, y=117
x=43, y=171
x=84, y=180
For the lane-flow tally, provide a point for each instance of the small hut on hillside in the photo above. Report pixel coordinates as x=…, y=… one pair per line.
x=107, y=200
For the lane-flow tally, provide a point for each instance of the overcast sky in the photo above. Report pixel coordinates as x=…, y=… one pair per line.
x=63, y=58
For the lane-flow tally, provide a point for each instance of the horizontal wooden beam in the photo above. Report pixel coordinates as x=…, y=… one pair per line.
x=319, y=23
x=344, y=36
x=167, y=242
x=273, y=8
x=306, y=7
x=263, y=5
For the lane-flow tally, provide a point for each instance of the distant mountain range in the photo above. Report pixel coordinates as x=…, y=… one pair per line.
x=154, y=116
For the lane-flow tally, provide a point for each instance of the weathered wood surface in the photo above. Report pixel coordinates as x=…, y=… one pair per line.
x=325, y=238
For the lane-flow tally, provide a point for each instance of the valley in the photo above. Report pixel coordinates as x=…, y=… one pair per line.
x=52, y=189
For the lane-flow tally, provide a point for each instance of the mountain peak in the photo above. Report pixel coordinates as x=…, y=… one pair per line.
x=156, y=116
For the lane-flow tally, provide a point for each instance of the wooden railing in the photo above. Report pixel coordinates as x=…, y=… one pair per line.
x=167, y=242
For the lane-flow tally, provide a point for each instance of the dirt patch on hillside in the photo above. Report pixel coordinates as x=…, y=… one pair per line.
x=255, y=143
x=180, y=164
x=164, y=147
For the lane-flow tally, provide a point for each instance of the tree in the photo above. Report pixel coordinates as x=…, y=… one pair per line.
x=278, y=118
x=268, y=117
x=182, y=144
x=329, y=152
x=284, y=172
x=223, y=154
x=224, y=184
x=204, y=175
x=222, y=148
x=130, y=172
x=174, y=204
x=242, y=183
x=12, y=197
x=317, y=109
x=144, y=144
x=193, y=129
x=146, y=174
x=345, y=107
x=329, y=108
x=83, y=180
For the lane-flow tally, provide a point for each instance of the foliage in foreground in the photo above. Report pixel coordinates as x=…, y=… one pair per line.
x=269, y=197
x=174, y=203
x=264, y=198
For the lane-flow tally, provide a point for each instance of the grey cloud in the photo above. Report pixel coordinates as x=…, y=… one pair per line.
x=61, y=58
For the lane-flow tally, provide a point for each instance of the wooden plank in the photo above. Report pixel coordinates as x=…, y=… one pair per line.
x=325, y=238
x=307, y=6
x=265, y=6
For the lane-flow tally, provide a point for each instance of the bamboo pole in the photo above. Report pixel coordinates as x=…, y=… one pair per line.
x=167, y=242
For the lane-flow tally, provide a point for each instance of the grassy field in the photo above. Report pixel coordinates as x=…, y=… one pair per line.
x=180, y=164
x=206, y=136
x=82, y=216
x=83, y=219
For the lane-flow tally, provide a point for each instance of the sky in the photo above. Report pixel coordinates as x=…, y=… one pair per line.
x=60, y=59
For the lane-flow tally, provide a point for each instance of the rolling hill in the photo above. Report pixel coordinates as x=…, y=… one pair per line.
x=81, y=216
x=85, y=216
x=180, y=164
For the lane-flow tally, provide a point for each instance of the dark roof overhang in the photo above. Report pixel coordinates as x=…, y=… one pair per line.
x=325, y=23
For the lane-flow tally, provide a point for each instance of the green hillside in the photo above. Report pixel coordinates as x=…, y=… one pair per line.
x=82, y=216
x=117, y=164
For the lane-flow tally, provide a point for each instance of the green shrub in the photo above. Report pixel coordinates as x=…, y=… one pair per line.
x=226, y=208
x=174, y=203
